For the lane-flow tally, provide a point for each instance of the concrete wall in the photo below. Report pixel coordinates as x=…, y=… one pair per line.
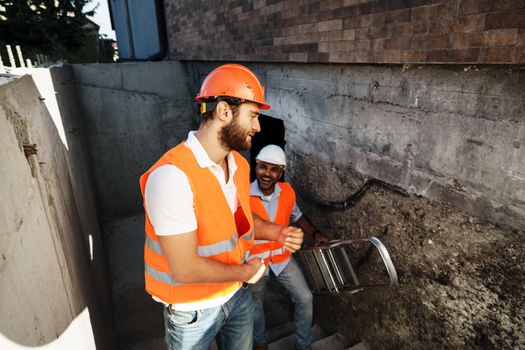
x=453, y=135
x=52, y=275
x=133, y=114
x=449, y=137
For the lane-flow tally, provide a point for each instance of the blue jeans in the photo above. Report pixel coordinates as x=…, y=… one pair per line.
x=293, y=280
x=231, y=324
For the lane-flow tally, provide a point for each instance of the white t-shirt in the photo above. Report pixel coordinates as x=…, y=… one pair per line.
x=169, y=201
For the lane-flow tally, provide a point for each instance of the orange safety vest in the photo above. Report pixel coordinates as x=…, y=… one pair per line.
x=271, y=250
x=221, y=236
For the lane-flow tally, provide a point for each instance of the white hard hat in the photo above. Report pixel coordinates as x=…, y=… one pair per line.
x=272, y=154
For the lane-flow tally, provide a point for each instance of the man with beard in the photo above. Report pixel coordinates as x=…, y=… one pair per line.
x=275, y=201
x=199, y=225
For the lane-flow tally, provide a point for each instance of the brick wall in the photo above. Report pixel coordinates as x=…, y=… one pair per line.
x=348, y=31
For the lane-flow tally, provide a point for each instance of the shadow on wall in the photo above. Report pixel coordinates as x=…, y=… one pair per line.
x=53, y=273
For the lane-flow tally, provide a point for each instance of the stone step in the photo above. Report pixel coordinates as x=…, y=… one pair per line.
x=288, y=342
x=332, y=342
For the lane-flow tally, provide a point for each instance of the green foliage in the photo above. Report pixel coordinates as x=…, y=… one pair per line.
x=52, y=27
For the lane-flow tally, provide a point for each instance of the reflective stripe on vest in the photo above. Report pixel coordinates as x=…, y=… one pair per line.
x=221, y=236
x=280, y=214
x=209, y=250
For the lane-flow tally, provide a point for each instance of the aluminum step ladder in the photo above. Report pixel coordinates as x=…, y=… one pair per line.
x=328, y=270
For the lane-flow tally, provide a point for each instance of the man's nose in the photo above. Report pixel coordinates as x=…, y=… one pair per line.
x=256, y=126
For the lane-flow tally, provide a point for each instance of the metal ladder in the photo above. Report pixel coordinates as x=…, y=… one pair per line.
x=328, y=270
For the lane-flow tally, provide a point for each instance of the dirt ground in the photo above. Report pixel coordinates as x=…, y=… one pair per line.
x=461, y=280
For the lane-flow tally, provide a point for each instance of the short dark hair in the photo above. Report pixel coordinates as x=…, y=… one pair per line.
x=211, y=104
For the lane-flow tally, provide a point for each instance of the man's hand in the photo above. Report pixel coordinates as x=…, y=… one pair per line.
x=256, y=270
x=319, y=239
x=291, y=238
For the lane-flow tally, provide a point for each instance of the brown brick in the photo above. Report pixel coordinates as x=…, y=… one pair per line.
x=336, y=24
x=512, y=19
x=441, y=27
x=502, y=5
x=298, y=57
x=419, y=56
x=330, y=36
x=441, y=11
x=310, y=47
x=500, y=37
x=389, y=56
x=317, y=57
x=338, y=57
x=357, y=45
x=396, y=17
x=361, y=33
x=419, y=14
x=429, y=42
x=466, y=40
x=519, y=55
x=352, y=23
x=377, y=32
x=306, y=28
x=377, y=19
x=417, y=3
x=469, y=23
x=420, y=28
x=468, y=7
x=331, y=4
x=279, y=41
x=289, y=13
x=378, y=44
x=497, y=55
x=344, y=46
x=401, y=43
x=521, y=37
x=454, y=56
x=403, y=29
x=355, y=2
x=349, y=34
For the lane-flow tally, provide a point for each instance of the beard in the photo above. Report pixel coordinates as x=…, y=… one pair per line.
x=234, y=137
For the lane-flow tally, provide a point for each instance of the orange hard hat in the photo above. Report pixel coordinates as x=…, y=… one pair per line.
x=233, y=80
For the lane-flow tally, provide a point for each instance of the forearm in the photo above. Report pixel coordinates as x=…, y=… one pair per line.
x=204, y=270
x=265, y=229
x=187, y=266
x=290, y=237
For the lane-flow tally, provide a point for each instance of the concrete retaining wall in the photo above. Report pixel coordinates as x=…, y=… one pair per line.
x=133, y=113
x=52, y=272
x=454, y=135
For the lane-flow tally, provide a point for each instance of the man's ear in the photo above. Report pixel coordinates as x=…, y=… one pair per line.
x=224, y=112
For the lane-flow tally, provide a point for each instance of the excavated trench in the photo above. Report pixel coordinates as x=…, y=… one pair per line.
x=461, y=279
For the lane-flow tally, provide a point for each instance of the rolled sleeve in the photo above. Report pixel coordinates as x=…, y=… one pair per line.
x=296, y=213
